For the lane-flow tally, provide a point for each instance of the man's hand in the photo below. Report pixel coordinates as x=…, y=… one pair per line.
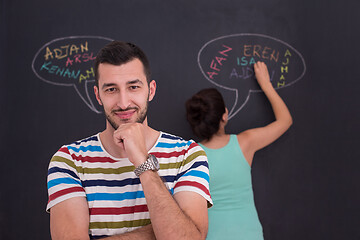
x=130, y=138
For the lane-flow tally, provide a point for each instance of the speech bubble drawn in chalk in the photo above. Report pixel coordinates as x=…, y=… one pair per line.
x=227, y=62
x=68, y=62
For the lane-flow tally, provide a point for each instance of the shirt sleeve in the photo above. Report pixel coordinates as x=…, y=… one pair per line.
x=63, y=181
x=194, y=173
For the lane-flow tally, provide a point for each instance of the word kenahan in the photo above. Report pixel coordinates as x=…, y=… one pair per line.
x=80, y=75
x=64, y=51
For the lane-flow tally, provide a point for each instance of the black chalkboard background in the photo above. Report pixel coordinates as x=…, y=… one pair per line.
x=306, y=184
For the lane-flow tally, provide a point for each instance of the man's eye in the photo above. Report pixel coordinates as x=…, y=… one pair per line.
x=110, y=89
x=134, y=87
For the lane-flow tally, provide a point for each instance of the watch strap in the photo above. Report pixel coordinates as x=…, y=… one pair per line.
x=147, y=165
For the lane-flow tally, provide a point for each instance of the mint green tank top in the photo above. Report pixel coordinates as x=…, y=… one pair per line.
x=233, y=215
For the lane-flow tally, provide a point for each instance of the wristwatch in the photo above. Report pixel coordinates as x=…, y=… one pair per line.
x=151, y=163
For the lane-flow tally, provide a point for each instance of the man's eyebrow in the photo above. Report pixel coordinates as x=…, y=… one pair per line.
x=135, y=82
x=105, y=85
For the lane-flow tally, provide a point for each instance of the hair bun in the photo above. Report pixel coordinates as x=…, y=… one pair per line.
x=198, y=109
x=204, y=112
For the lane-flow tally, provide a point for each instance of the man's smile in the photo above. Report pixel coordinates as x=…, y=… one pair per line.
x=125, y=114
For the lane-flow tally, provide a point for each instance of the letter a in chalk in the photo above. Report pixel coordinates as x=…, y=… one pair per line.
x=287, y=53
x=211, y=74
x=48, y=53
x=220, y=59
x=234, y=73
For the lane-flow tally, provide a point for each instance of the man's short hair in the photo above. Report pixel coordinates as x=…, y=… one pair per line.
x=118, y=53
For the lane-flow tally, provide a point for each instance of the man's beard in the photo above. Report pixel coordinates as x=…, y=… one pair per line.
x=139, y=119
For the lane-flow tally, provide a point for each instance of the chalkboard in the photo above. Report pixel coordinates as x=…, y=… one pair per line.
x=306, y=184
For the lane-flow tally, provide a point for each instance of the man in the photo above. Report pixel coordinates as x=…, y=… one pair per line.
x=129, y=181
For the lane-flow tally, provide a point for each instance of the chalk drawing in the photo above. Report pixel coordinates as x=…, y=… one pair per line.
x=68, y=62
x=227, y=62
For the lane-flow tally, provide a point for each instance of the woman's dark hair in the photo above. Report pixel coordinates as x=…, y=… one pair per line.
x=204, y=112
x=118, y=53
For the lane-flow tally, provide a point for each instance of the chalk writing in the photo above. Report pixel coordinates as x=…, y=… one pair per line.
x=284, y=69
x=262, y=52
x=79, y=58
x=64, y=51
x=216, y=62
x=68, y=61
x=247, y=72
x=89, y=75
x=228, y=61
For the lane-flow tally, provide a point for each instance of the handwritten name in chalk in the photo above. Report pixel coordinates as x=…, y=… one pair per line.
x=89, y=74
x=244, y=61
x=64, y=51
x=246, y=72
x=63, y=72
x=216, y=62
x=261, y=52
x=284, y=68
x=79, y=58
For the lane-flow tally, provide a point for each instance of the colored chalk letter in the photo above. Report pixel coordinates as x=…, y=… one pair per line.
x=84, y=48
x=287, y=53
x=45, y=66
x=48, y=53
x=211, y=74
x=284, y=69
x=226, y=50
x=213, y=66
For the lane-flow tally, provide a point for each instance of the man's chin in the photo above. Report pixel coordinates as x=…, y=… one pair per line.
x=129, y=120
x=119, y=122
x=115, y=121
x=124, y=120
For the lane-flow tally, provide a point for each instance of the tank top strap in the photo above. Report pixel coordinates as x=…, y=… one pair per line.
x=233, y=142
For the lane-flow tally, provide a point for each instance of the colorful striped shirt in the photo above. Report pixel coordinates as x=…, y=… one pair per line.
x=114, y=194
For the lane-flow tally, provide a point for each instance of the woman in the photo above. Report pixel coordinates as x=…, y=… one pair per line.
x=234, y=215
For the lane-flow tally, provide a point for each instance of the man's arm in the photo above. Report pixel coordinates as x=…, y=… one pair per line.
x=182, y=217
x=185, y=218
x=70, y=220
x=145, y=233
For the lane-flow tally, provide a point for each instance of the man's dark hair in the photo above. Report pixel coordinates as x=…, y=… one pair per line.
x=204, y=112
x=118, y=53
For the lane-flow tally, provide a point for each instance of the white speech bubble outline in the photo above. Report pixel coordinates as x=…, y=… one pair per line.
x=89, y=103
x=231, y=113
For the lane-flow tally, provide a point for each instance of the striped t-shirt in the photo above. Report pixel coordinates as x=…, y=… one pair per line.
x=116, y=201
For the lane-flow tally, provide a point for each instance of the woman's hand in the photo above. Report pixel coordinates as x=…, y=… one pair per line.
x=262, y=74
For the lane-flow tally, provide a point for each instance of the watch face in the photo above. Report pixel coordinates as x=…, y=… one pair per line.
x=155, y=162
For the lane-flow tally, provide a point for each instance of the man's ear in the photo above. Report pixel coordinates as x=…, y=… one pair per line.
x=152, y=90
x=97, y=95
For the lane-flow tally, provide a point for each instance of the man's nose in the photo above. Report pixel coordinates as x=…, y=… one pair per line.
x=123, y=100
